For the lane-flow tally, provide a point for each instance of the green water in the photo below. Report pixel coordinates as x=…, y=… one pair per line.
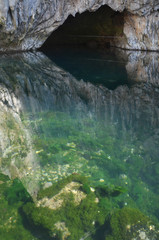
x=56, y=131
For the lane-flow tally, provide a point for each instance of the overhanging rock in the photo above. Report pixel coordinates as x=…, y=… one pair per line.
x=26, y=24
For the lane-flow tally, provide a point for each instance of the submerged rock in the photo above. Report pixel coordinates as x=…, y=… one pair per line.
x=60, y=226
x=131, y=224
x=64, y=211
x=47, y=184
x=57, y=201
x=84, y=217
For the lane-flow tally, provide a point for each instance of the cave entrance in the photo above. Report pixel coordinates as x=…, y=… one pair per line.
x=81, y=46
x=92, y=29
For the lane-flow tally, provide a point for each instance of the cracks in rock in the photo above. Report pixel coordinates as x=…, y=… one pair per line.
x=26, y=19
x=10, y=13
x=11, y=17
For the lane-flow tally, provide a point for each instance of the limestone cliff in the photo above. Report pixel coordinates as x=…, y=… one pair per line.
x=26, y=24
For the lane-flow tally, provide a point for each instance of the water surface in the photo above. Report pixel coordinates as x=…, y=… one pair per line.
x=53, y=125
x=91, y=65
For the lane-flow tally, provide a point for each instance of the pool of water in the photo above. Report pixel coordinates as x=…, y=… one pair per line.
x=79, y=145
x=91, y=65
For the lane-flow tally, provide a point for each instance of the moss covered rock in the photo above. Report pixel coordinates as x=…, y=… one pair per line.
x=131, y=224
x=12, y=197
x=68, y=209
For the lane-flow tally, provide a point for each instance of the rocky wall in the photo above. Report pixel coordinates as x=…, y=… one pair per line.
x=27, y=24
x=31, y=83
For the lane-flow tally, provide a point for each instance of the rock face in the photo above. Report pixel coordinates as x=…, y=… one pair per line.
x=31, y=82
x=40, y=85
x=26, y=24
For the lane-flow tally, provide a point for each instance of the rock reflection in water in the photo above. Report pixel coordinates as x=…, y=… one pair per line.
x=31, y=82
x=32, y=85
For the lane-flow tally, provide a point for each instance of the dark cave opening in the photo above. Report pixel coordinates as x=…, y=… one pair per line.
x=83, y=47
x=91, y=29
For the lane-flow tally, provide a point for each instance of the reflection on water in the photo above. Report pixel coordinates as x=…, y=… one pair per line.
x=53, y=126
x=95, y=66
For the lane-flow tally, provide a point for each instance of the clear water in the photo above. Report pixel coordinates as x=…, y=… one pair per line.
x=53, y=125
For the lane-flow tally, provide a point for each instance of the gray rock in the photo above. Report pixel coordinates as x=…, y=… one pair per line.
x=42, y=85
x=26, y=24
x=47, y=185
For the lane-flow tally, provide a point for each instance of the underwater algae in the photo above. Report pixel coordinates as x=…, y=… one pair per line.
x=80, y=215
x=82, y=160
x=84, y=146
x=94, y=191
x=12, y=197
x=79, y=212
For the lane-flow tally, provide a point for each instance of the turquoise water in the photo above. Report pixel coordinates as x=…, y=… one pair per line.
x=79, y=158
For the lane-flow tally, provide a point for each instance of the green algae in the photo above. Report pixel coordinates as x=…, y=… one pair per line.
x=16, y=193
x=13, y=196
x=100, y=159
x=109, y=191
x=79, y=219
x=68, y=143
x=128, y=223
x=96, y=212
x=51, y=191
